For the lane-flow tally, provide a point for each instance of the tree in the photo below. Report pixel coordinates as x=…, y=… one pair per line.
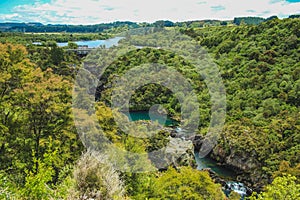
x=14, y=68
x=185, y=183
x=57, y=55
x=46, y=112
x=35, y=106
x=282, y=188
x=38, y=181
x=72, y=45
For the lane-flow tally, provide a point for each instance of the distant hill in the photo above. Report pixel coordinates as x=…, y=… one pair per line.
x=294, y=16
x=37, y=27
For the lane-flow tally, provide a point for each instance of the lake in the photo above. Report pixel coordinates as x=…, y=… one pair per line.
x=91, y=43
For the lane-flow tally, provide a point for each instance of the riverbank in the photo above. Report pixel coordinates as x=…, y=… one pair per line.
x=223, y=174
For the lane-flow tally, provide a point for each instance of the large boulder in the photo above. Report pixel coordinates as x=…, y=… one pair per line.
x=180, y=152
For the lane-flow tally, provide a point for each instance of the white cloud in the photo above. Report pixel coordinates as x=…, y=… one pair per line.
x=99, y=11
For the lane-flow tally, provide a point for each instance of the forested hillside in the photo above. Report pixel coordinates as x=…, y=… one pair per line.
x=260, y=68
x=42, y=156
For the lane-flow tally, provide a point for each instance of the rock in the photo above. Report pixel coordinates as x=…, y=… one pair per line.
x=173, y=134
x=243, y=163
x=197, y=142
x=180, y=152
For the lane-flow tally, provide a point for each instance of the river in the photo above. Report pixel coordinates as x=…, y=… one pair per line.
x=202, y=163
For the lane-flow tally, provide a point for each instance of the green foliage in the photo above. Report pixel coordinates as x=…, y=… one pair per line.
x=35, y=117
x=37, y=181
x=282, y=188
x=72, y=45
x=50, y=56
x=151, y=94
x=7, y=187
x=285, y=168
x=234, y=196
x=182, y=183
x=260, y=69
x=259, y=65
x=56, y=55
x=185, y=183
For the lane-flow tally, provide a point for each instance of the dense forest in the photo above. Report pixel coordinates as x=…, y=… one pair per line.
x=43, y=157
x=260, y=68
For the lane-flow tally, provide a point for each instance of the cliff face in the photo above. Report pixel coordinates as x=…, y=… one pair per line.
x=242, y=161
x=245, y=164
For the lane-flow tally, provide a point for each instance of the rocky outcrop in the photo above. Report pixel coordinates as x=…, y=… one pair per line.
x=183, y=150
x=244, y=164
x=241, y=161
x=178, y=151
x=197, y=142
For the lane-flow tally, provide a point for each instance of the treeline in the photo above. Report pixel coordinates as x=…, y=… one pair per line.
x=257, y=20
x=110, y=27
x=123, y=26
x=44, y=38
x=248, y=20
x=40, y=28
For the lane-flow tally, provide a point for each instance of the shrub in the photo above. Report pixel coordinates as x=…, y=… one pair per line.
x=94, y=178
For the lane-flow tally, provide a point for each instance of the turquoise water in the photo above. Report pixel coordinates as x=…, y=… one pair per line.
x=95, y=43
x=144, y=115
x=202, y=163
x=212, y=164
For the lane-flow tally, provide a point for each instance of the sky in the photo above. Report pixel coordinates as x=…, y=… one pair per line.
x=103, y=11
